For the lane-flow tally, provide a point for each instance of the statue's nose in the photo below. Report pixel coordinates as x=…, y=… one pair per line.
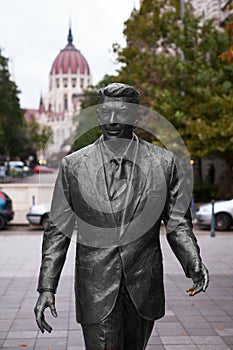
x=113, y=118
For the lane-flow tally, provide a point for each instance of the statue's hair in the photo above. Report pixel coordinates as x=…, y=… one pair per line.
x=119, y=90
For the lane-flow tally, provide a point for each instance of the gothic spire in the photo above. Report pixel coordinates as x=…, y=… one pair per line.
x=70, y=36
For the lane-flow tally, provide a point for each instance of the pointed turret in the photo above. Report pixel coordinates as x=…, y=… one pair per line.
x=70, y=36
x=41, y=105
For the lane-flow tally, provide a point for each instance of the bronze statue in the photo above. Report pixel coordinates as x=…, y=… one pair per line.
x=117, y=191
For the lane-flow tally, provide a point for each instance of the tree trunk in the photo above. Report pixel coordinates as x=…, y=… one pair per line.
x=225, y=190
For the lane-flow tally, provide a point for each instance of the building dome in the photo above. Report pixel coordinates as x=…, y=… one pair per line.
x=70, y=60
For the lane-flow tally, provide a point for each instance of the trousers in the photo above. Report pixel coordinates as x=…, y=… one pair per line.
x=122, y=329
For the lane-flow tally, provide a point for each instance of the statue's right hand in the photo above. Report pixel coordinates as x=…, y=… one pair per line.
x=46, y=299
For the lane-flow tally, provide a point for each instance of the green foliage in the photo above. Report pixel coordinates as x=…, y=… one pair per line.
x=12, y=125
x=193, y=90
x=177, y=68
x=37, y=135
x=86, y=138
x=18, y=138
x=205, y=192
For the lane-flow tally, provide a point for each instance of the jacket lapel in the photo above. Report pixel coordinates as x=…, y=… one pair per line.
x=93, y=182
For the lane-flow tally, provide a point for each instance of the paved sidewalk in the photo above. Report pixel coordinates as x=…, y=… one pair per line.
x=204, y=322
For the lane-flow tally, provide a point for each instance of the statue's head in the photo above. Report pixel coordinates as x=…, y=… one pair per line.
x=118, y=110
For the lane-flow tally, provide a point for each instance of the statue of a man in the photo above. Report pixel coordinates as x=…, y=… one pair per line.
x=117, y=191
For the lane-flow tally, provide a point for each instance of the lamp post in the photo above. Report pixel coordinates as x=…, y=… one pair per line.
x=182, y=9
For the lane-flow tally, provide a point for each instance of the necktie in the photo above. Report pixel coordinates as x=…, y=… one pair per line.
x=118, y=176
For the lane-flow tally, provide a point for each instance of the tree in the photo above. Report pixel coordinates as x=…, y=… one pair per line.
x=12, y=124
x=37, y=136
x=176, y=65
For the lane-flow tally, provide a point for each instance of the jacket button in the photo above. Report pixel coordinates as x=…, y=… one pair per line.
x=118, y=266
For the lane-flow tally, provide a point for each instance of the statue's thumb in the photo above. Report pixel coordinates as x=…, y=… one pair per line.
x=53, y=310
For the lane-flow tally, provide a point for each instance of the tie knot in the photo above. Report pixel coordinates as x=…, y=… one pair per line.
x=117, y=161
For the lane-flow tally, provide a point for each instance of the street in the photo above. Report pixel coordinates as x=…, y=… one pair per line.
x=203, y=322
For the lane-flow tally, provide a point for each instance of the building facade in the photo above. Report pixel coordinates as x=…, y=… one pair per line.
x=68, y=78
x=218, y=10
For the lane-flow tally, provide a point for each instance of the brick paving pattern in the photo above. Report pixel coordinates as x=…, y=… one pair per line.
x=204, y=322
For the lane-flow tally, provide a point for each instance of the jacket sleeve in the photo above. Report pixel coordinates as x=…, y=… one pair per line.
x=57, y=234
x=178, y=221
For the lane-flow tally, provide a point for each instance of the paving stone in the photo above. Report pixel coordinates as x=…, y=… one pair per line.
x=8, y=313
x=55, y=334
x=5, y=325
x=75, y=341
x=3, y=335
x=180, y=347
x=28, y=348
x=176, y=340
x=214, y=347
x=207, y=340
x=189, y=325
x=154, y=340
x=224, y=332
x=21, y=324
x=228, y=340
x=202, y=332
x=19, y=343
x=22, y=334
x=51, y=343
x=189, y=318
x=214, y=318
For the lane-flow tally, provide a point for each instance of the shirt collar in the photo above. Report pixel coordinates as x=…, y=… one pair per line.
x=130, y=150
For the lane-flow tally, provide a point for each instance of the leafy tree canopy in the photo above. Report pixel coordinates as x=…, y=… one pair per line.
x=12, y=124
x=177, y=66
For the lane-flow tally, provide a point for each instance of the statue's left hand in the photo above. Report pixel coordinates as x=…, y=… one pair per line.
x=46, y=299
x=200, y=278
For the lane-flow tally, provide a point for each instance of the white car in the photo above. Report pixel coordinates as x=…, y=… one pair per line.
x=38, y=214
x=17, y=166
x=223, y=214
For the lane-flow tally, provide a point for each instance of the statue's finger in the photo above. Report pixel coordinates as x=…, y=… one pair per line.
x=46, y=326
x=39, y=316
x=206, y=280
x=39, y=324
x=53, y=310
x=198, y=288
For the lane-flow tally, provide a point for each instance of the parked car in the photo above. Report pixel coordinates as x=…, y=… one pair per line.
x=223, y=213
x=6, y=210
x=17, y=167
x=42, y=169
x=38, y=214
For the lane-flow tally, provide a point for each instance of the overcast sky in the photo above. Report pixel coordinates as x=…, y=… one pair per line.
x=32, y=32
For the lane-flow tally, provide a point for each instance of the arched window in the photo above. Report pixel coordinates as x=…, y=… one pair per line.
x=65, y=82
x=65, y=102
x=73, y=82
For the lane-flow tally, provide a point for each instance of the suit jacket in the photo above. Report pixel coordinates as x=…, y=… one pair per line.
x=105, y=251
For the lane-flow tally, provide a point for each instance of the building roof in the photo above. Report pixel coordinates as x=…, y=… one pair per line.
x=70, y=60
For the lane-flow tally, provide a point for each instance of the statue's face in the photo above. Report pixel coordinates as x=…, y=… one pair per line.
x=116, y=118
